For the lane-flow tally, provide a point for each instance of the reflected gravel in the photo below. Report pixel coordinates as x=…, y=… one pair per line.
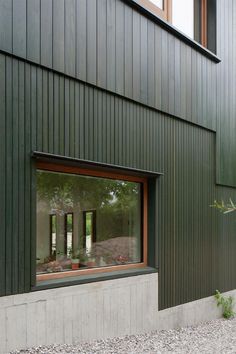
x=218, y=336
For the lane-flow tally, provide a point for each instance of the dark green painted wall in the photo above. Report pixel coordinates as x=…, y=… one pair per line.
x=109, y=44
x=44, y=111
x=226, y=93
x=161, y=80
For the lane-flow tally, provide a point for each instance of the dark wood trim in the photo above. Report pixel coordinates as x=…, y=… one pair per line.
x=169, y=10
x=91, y=278
x=81, y=272
x=98, y=173
x=155, y=9
x=166, y=15
x=92, y=165
x=145, y=221
x=87, y=172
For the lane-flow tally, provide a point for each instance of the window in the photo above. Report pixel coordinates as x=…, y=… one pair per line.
x=160, y=8
x=189, y=16
x=88, y=221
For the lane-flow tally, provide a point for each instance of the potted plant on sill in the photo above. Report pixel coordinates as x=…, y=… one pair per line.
x=75, y=261
x=91, y=262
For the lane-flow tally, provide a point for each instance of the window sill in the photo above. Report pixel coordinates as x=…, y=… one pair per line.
x=174, y=31
x=85, y=279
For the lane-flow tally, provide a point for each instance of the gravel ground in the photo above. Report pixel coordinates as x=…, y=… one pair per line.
x=218, y=336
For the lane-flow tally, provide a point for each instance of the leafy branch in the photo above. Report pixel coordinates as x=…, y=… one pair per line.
x=224, y=208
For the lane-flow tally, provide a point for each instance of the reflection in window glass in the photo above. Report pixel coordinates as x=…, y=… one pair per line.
x=53, y=235
x=158, y=3
x=183, y=16
x=89, y=221
x=68, y=233
x=95, y=222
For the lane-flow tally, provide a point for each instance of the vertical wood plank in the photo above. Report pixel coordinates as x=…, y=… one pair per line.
x=45, y=131
x=151, y=64
x=2, y=173
x=111, y=46
x=33, y=30
x=70, y=49
x=56, y=100
x=72, y=119
x=9, y=177
x=67, y=118
x=6, y=25
x=158, y=69
x=46, y=33
x=27, y=181
x=19, y=28
x=39, y=109
x=58, y=35
x=21, y=235
x=101, y=43
x=136, y=55
x=81, y=39
x=50, y=112
x=92, y=41
x=15, y=175
x=120, y=47
x=144, y=60
x=62, y=116
x=128, y=51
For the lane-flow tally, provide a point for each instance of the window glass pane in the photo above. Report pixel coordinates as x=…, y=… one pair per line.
x=183, y=16
x=158, y=3
x=85, y=222
x=89, y=230
x=69, y=233
x=53, y=235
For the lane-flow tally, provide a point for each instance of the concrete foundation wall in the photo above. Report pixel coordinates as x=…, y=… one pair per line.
x=79, y=313
x=191, y=313
x=94, y=311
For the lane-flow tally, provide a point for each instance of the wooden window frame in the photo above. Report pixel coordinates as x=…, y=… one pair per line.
x=53, y=167
x=204, y=23
x=166, y=14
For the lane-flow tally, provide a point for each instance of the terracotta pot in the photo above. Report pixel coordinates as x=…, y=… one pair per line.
x=74, y=264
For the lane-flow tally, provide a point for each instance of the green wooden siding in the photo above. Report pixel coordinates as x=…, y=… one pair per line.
x=45, y=111
x=98, y=80
x=111, y=45
x=226, y=91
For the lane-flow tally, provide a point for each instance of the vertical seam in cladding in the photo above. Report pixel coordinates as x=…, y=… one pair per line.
x=26, y=28
x=86, y=43
x=11, y=27
x=76, y=42
x=40, y=32
x=52, y=31
x=65, y=22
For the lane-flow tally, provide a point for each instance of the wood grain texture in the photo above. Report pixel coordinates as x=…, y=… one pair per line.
x=48, y=112
x=109, y=44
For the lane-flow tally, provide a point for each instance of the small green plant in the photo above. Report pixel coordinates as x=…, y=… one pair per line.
x=226, y=303
x=223, y=207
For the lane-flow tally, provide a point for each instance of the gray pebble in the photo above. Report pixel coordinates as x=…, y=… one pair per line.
x=218, y=336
